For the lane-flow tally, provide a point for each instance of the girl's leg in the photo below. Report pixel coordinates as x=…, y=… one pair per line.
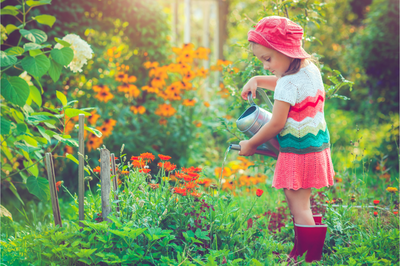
x=299, y=205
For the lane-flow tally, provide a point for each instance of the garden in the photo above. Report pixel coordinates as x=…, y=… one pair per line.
x=116, y=118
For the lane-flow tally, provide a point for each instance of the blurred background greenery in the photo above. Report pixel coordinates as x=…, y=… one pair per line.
x=359, y=38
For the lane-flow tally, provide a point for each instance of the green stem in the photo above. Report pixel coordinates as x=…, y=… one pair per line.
x=23, y=23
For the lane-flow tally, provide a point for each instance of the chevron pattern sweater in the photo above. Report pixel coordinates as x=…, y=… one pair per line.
x=305, y=130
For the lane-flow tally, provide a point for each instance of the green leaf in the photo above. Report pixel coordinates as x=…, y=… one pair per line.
x=9, y=10
x=36, y=66
x=46, y=19
x=7, y=60
x=35, y=95
x=69, y=142
x=62, y=98
x=39, y=187
x=38, y=3
x=71, y=112
x=15, y=192
x=62, y=56
x=92, y=130
x=36, y=36
x=15, y=51
x=35, y=52
x=85, y=253
x=28, y=148
x=5, y=213
x=34, y=46
x=72, y=158
x=10, y=28
x=34, y=170
x=42, y=132
x=5, y=126
x=21, y=128
x=38, y=118
x=63, y=43
x=54, y=70
x=15, y=90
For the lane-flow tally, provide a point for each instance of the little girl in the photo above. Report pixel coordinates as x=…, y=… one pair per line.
x=298, y=122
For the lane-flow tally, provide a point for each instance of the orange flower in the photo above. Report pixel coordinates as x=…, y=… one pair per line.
x=94, y=143
x=93, y=118
x=100, y=88
x=97, y=169
x=181, y=191
x=259, y=192
x=125, y=172
x=205, y=182
x=144, y=171
x=110, y=122
x=138, y=164
x=162, y=121
x=132, y=79
x=164, y=157
x=150, y=89
x=206, y=104
x=68, y=149
x=140, y=109
x=121, y=77
x=104, y=96
x=105, y=130
x=202, y=53
x=188, y=76
x=165, y=110
x=58, y=185
x=188, y=102
x=157, y=82
x=149, y=64
x=190, y=185
x=147, y=156
x=69, y=126
x=202, y=72
x=191, y=169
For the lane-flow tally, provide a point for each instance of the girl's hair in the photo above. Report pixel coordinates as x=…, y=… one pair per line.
x=294, y=67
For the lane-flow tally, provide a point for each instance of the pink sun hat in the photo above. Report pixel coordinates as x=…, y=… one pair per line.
x=281, y=34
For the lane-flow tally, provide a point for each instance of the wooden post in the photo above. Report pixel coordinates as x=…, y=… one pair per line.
x=53, y=191
x=206, y=44
x=81, y=184
x=115, y=180
x=105, y=183
x=216, y=40
x=187, y=26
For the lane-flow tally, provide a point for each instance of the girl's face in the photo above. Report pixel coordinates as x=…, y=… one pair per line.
x=274, y=61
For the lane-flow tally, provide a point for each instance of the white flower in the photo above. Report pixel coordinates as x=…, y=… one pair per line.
x=24, y=75
x=141, y=203
x=82, y=51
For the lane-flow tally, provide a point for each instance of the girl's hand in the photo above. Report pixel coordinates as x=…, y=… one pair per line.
x=246, y=148
x=251, y=86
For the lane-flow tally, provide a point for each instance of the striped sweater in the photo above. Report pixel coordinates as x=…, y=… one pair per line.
x=305, y=130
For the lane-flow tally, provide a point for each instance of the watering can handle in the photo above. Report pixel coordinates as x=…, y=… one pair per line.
x=263, y=95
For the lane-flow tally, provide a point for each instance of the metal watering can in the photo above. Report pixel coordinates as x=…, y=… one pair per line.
x=252, y=120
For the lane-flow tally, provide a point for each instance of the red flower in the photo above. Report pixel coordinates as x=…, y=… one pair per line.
x=187, y=178
x=376, y=202
x=135, y=158
x=164, y=157
x=181, y=191
x=147, y=156
x=395, y=212
x=249, y=223
x=144, y=170
x=58, y=185
x=97, y=169
x=375, y=213
x=167, y=166
x=259, y=192
x=194, y=175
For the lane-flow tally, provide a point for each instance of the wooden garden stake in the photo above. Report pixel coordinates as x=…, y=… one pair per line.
x=105, y=183
x=53, y=191
x=81, y=183
x=115, y=180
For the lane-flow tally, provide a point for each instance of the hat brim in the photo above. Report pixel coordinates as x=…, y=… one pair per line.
x=297, y=52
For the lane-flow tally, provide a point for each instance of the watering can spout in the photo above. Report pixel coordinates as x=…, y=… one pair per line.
x=265, y=152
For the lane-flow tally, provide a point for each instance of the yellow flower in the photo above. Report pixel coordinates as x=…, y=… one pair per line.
x=165, y=110
x=188, y=102
x=150, y=89
x=206, y=104
x=391, y=189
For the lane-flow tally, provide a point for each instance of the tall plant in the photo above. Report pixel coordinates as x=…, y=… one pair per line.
x=29, y=129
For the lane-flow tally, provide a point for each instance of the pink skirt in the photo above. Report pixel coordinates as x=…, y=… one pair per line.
x=294, y=171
